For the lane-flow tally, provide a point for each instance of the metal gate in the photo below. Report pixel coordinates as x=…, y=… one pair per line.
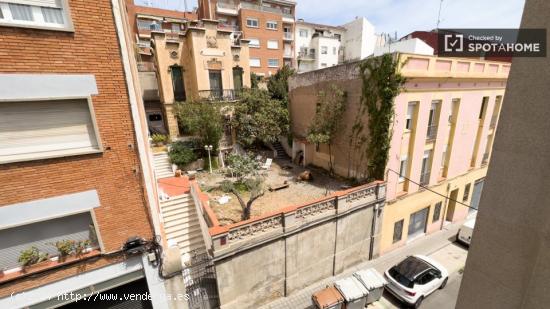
x=417, y=223
x=200, y=283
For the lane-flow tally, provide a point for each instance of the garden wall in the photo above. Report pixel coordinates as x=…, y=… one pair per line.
x=265, y=258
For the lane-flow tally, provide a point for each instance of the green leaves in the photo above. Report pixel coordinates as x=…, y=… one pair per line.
x=181, y=154
x=202, y=119
x=381, y=84
x=258, y=117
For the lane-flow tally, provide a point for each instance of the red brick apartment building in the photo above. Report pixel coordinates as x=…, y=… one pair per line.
x=72, y=154
x=268, y=24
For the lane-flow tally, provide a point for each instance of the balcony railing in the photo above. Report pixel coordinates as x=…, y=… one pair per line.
x=306, y=56
x=220, y=95
x=288, y=36
x=432, y=132
x=146, y=66
x=485, y=159
x=425, y=178
x=227, y=5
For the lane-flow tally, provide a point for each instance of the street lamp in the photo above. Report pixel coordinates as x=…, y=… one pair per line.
x=209, y=148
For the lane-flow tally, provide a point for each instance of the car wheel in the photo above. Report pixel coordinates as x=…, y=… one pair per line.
x=444, y=283
x=418, y=302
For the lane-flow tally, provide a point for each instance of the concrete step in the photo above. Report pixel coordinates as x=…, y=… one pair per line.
x=186, y=244
x=183, y=222
x=183, y=214
x=183, y=230
x=187, y=239
x=176, y=201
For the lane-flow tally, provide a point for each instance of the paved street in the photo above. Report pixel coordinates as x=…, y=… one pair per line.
x=439, y=246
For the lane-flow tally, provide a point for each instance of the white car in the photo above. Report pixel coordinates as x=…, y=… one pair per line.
x=415, y=278
x=465, y=233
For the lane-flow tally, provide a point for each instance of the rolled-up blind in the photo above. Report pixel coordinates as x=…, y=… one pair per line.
x=33, y=128
x=44, y=3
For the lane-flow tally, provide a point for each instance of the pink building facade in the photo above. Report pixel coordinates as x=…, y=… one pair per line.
x=443, y=132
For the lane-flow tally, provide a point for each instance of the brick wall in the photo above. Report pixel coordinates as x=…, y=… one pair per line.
x=93, y=49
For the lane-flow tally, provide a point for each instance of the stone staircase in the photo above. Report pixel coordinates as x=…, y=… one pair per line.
x=163, y=167
x=281, y=153
x=181, y=225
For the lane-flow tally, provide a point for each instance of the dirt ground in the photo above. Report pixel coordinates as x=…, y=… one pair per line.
x=297, y=193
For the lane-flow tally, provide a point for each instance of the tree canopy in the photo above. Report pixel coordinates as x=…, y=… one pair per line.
x=278, y=84
x=202, y=119
x=258, y=117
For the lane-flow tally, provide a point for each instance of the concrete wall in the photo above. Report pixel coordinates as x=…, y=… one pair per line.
x=411, y=46
x=508, y=263
x=359, y=40
x=272, y=257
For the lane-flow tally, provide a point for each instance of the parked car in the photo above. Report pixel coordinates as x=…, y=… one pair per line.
x=414, y=278
x=464, y=235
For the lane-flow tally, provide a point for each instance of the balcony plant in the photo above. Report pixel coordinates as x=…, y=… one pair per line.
x=159, y=139
x=81, y=246
x=64, y=248
x=31, y=256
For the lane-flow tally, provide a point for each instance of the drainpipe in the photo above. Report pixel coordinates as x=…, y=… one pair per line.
x=376, y=210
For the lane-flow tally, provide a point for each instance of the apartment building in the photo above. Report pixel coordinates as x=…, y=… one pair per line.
x=267, y=24
x=443, y=130
x=202, y=63
x=320, y=46
x=74, y=172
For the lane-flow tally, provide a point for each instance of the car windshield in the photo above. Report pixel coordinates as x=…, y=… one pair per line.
x=400, y=278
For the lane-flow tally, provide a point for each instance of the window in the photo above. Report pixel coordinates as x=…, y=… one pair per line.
x=444, y=156
x=286, y=10
x=466, y=193
x=338, y=36
x=403, y=169
x=43, y=235
x=176, y=27
x=409, y=118
x=272, y=25
x=483, y=107
x=255, y=43
x=312, y=51
x=32, y=130
x=252, y=22
x=454, y=109
x=428, y=277
x=437, y=212
x=273, y=63
x=397, y=231
x=49, y=14
x=303, y=33
x=323, y=65
x=178, y=84
x=255, y=62
x=334, y=50
x=273, y=44
x=324, y=50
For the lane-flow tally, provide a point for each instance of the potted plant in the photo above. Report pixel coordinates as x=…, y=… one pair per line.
x=64, y=248
x=158, y=139
x=31, y=256
x=81, y=246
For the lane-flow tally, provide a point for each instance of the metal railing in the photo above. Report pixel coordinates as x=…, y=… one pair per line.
x=288, y=36
x=424, y=178
x=146, y=66
x=220, y=95
x=228, y=5
x=306, y=56
x=432, y=132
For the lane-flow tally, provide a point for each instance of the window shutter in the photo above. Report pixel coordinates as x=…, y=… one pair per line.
x=32, y=128
x=43, y=3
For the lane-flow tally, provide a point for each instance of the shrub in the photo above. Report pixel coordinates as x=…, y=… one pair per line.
x=31, y=256
x=65, y=247
x=80, y=246
x=159, y=139
x=181, y=155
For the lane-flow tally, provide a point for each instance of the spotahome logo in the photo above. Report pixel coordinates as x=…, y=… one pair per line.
x=492, y=42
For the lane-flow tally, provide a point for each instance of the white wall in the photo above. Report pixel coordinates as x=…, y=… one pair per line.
x=412, y=46
x=316, y=43
x=330, y=59
x=359, y=39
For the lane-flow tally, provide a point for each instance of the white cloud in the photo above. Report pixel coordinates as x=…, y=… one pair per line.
x=405, y=16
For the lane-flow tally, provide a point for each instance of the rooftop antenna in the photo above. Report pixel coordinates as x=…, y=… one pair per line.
x=439, y=15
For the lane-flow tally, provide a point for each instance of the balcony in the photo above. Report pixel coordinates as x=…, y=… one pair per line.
x=146, y=66
x=288, y=36
x=425, y=178
x=220, y=95
x=287, y=54
x=432, y=133
x=306, y=56
x=485, y=159
x=227, y=8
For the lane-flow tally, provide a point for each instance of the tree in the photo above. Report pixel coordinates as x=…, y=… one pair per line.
x=328, y=119
x=258, y=117
x=202, y=119
x=247, y=180
x=254, y=80
x=381, y=84
x=278, y=84
x=181, y=154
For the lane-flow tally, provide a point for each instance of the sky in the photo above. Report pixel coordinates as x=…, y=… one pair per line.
x=401, y=16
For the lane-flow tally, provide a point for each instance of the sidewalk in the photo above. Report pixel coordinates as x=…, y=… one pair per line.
x=425, y=245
